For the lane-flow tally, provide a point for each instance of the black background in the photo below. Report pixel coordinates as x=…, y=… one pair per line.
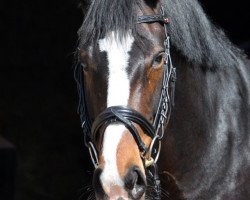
x=38, y=97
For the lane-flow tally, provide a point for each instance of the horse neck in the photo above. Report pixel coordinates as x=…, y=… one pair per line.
x=208, y=132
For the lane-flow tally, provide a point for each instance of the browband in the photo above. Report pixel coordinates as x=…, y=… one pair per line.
x=152, y=19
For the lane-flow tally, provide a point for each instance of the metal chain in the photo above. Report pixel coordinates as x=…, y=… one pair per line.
x=167, y=90
x=166, y=100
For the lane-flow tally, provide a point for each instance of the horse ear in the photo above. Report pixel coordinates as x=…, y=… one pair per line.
x=152, y=3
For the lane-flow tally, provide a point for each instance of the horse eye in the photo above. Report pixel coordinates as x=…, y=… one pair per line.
x=158, y=60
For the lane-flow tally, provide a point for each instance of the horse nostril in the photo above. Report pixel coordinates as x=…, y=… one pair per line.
x=135, y=183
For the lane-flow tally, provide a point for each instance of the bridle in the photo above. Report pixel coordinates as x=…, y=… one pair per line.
x=128, y=116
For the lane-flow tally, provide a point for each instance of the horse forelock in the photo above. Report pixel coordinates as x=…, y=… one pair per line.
x=104, y=16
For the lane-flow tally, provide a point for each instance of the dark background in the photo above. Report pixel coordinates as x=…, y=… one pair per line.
x=38, y=97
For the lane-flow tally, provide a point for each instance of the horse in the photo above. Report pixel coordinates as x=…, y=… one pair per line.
x=164, y=101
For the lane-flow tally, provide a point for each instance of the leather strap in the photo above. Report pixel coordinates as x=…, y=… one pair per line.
x=152, y=19
x=126, y=116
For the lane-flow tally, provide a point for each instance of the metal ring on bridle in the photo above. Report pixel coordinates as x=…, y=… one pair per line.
x=93, y=154
x=149, y=159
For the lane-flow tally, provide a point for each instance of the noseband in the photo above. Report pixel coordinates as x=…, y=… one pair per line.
x=128, y=116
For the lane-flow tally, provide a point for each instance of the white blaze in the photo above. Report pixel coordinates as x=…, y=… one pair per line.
x=118, y=94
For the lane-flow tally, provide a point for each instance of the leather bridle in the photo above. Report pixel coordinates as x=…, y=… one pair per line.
x=128, y=116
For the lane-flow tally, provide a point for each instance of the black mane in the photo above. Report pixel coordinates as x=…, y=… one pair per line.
x=195, y=37
x=192, y=34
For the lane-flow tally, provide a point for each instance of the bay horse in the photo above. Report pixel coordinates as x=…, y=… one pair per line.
x=128, y=88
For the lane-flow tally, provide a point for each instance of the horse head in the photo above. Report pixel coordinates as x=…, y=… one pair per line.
x=125, y=74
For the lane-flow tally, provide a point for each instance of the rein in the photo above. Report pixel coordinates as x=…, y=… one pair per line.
x=127, y=116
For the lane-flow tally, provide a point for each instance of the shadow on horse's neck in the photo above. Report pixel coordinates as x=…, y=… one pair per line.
x=190, y=118
x=202, y=133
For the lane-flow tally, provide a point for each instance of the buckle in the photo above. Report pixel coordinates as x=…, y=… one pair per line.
x=93, y=154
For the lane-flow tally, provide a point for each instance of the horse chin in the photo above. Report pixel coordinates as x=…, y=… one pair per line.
x=115, y=192
x=118, y=195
